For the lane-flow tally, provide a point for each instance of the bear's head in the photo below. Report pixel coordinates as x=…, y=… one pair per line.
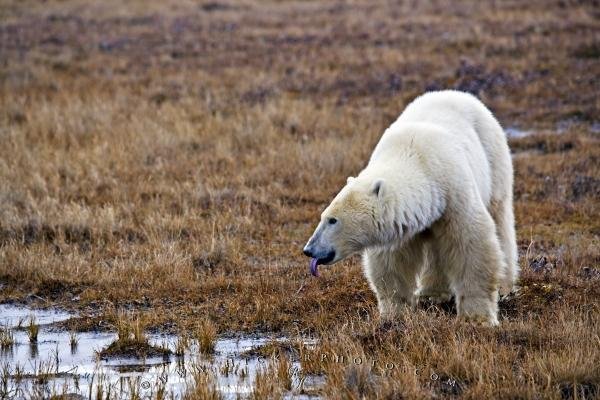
x=349, y=224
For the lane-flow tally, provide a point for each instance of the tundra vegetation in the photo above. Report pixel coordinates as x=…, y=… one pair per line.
x=168, y=160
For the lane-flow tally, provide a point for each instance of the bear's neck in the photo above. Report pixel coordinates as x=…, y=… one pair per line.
x=412, y=203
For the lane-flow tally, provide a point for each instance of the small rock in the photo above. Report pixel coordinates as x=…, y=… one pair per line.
x=589, y=273
x=541, y=264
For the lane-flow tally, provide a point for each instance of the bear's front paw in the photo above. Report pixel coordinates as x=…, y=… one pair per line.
x=479, y=310
x=390, y=310
x=434, y=297
x=480, y=320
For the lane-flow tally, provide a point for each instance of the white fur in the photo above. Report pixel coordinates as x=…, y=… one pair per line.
x=438, y=193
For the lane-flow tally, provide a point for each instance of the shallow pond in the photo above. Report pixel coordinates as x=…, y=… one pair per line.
x=54, y=366
x=513, y=132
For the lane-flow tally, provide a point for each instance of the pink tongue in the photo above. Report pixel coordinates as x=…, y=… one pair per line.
x=313, y=267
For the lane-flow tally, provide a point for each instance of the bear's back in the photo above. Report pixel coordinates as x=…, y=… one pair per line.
x=466, y=117
x=466, y=128
x=455, y=111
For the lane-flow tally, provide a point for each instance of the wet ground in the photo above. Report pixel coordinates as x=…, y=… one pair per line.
x=55, y=365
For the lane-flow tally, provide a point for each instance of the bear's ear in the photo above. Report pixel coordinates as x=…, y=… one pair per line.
x=349, y=180
x=377, y=188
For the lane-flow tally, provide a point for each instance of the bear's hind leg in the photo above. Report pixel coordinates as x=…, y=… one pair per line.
x=502, y=213
x=392, y=275
x=475, y=260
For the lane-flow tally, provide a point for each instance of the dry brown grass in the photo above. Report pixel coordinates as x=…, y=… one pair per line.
x=171, y=158
x=206, y=335
x=204, y=387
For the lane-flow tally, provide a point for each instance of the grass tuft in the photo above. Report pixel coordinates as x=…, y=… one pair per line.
x=7, y=338
x=132, y=341
x=32, y=330
x=206, y=335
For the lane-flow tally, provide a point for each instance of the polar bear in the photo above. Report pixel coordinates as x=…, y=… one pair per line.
x=432, y=212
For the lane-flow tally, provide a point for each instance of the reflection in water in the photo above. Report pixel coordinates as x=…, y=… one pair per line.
x=33, y=350
x=60, y=363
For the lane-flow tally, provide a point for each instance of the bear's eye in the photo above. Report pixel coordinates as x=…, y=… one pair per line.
x=332, y=221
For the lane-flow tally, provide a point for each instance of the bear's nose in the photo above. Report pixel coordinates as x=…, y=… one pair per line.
x=307, y=252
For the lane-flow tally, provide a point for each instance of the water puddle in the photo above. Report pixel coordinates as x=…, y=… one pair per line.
x=562, y=126
x=13, y=316
x=515, y=133
x=58, y=365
